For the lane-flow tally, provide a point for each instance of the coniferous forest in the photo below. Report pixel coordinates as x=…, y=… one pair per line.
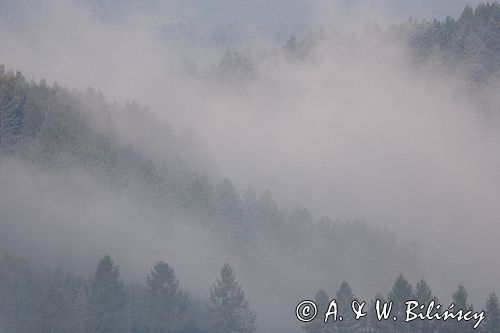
x=177, y=210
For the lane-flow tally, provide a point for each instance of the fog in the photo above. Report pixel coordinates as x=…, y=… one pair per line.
x=356, y=130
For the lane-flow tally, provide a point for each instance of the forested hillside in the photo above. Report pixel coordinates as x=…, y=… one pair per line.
x=51, y=128
x=83, y=176
x=469, y=44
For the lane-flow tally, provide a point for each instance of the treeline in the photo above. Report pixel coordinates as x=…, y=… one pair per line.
x=469, y=44
x=52, y=128
x=402, y=291
x=54, y=302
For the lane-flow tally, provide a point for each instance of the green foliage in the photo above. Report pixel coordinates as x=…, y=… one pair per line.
x=17, y=294
x=318, y=325
x=61, y=303
x=374, y=324
x=107, y=304
x=233, y=67
x=492, y=314
x=228, y=310
x=54, y=301
x=423, y=295
x=12, y=102
x=469, y=44
x=167, y=304
x=57, y=129
x=344, y=299
x=54, y=128
x=401, y=292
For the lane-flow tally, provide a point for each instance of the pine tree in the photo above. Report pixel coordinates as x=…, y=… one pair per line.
x=17, y=294
x=459, y=299
x=60, y=306
x=402, y=291
x=423, y=295
x=201, y=195
x=12, y=100
x=344, y=299
x=167, y=303
x=228, y=310
x=318, y=325
x=492, y=315
x=375, y=325
x=107, y=304
x=228, y=211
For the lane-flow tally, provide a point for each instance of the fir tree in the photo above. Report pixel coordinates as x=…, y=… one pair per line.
x=344, y=299
x=228, y=310
x=12, y=100
x=492, y=315
x=167, y=303
x=318, y=325
x=402, y=291
x=423, y=295
x=107, y=304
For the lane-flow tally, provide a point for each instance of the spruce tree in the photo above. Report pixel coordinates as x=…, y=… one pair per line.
x=318, y=325
x=12, y=100
x=228, y=310
x=459, y=299
x=423, y=295
x=375, y=325
x=344, y=299
x=402, y=291
x=17, y=294
x=167, y=303
x=492, y=315
x=107, y=304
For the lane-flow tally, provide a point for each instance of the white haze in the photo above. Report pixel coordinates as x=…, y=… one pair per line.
x=355, y=132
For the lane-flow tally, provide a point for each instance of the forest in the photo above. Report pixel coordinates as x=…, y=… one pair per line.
x=61, y=302
x=83, y=160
